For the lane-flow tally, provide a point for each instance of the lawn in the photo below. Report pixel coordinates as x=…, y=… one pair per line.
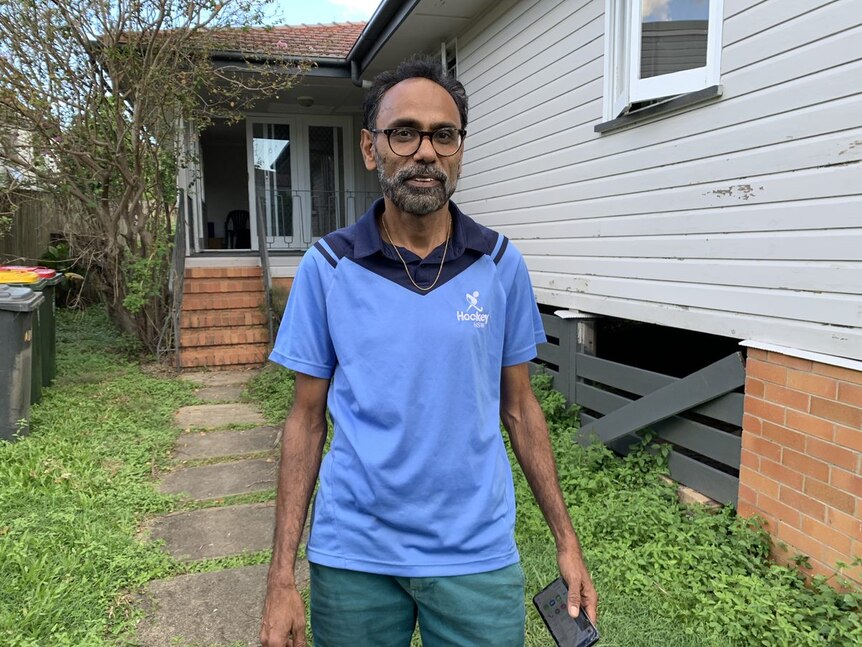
x=74, y=493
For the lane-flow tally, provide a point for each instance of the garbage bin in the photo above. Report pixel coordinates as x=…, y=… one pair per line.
x=32, y=281
x=18, y=308
x=47, y=319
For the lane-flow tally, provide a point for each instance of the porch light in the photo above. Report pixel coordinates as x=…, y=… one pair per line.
x=305, y=101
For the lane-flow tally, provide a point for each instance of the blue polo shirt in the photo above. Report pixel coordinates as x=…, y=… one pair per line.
x=416, y=482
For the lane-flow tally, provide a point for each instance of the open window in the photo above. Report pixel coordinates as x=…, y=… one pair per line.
x=656, y=49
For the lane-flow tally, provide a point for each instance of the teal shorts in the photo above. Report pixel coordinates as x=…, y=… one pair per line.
x=353, y=609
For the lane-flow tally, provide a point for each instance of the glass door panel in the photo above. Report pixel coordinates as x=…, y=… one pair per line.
x=326, y=179
x=273, y=180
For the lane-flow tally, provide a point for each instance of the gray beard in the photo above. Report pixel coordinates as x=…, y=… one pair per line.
x=418, y=201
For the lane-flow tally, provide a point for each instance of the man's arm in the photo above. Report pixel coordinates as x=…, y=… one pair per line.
x=523, y=418
x=283, y=622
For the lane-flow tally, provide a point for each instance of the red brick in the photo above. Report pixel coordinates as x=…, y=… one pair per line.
x=790, y=362
x=786, y=397
x=783, y=436
x=745, y=509
x=799, y=542
x=764, y=410
x=839, y=373
x=758, y=482
x=854, y=573
x=756, y=353
x=837, y=412
x=809, y=424
x=846, y=481
x=805, y=465
x=751, y=424
x=761, y=447
x=826, y=535
x=850, y=438
x=779, y=510
x=746, y=495
x=831, y=496
x=813, y=384
x=781, y=473
x=765, y=371
x=845, y=523
x=805, y=504
x=749, y=459
x=831, y=453
x=850, y=394
x=754, y=387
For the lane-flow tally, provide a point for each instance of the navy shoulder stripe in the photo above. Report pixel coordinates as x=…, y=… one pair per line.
x=323, y=252
x=502, y=250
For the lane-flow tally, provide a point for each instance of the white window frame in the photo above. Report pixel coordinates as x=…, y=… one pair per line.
x=622, y=83
x=447, y=48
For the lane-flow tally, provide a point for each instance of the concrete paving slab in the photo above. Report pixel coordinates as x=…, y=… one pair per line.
x=221, y=480
x=226, y=393
x=218, y=378
x=211, y=444
x=213, y=416
x=216, y=532
x=207, y=609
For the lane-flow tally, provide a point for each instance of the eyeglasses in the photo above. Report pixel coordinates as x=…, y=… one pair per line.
x=404, y=141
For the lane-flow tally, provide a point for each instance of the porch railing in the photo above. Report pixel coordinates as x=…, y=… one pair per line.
x=171, y=332
x=318, y=213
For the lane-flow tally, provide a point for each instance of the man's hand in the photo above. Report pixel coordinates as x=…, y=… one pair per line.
x=283, y=623
x=582, y=593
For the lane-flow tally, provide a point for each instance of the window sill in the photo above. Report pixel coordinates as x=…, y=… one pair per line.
x=662, y=108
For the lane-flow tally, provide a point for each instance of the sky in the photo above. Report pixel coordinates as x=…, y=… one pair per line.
x=661, y=10
x=295, y=12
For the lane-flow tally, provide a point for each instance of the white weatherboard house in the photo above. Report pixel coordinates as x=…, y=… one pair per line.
x=684, y=178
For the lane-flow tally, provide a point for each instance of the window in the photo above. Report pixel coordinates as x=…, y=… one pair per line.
x=659, y=48
x=449, y=58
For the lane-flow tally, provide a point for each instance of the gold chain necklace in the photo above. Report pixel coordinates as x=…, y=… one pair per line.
x=404, y=263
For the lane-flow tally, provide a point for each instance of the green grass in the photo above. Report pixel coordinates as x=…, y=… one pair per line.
x=74, y=491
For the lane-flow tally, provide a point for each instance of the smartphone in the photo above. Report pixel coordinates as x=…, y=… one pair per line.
x=566, y=630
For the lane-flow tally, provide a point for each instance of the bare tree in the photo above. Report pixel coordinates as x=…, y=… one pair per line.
x=91, y=95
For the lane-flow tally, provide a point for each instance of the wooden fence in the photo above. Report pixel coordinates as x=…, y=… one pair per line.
x=700, y=415
x=32, y=225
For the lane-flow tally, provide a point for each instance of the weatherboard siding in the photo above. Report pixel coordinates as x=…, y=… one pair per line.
x=741, y=217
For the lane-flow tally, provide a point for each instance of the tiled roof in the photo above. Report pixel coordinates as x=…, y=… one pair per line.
x=333, y=40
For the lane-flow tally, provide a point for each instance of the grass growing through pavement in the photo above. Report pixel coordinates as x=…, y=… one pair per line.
x=668, y=575
x=73, y=492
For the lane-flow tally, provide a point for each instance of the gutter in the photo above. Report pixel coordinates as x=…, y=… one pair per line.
x=388, y=17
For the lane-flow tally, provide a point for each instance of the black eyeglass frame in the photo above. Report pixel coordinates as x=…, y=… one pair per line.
x=422, y=135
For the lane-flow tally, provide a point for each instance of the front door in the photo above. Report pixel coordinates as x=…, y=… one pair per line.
x=299, y=172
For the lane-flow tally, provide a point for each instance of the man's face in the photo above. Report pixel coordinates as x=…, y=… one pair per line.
x=423, y=182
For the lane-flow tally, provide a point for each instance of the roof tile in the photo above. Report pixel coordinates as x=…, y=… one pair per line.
x=333, y=40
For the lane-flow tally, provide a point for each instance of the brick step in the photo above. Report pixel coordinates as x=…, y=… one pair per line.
x=222, y=336
x=222, y=272
x=222, y=318
x=222, y=300
x=231, y=356
x=194, y=286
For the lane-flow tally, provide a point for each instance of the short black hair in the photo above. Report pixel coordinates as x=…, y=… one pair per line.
x=417, y=67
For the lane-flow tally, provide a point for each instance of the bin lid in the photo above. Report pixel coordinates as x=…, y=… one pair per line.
x=18, y=299
x=22, y=277
x=50, y=275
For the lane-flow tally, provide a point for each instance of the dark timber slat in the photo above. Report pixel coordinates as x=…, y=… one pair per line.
x=554, y=326
x=727, y=408
x=551, y=353
x=703, y=439
x=701, y=386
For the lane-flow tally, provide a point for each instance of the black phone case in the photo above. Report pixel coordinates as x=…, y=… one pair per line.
x=550, y=602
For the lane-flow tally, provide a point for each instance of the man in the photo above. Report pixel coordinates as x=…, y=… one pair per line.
x=416, y=323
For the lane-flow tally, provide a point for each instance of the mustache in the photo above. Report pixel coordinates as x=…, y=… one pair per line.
x=421, y=171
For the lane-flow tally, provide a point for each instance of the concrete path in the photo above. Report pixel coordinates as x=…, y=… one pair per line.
x=220, y=608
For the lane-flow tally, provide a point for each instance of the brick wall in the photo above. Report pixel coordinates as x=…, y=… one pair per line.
x=801, y=464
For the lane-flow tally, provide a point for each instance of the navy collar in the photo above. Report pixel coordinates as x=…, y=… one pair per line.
x=466, y=234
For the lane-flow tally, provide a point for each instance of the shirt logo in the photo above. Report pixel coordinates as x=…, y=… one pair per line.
x=474, y=313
